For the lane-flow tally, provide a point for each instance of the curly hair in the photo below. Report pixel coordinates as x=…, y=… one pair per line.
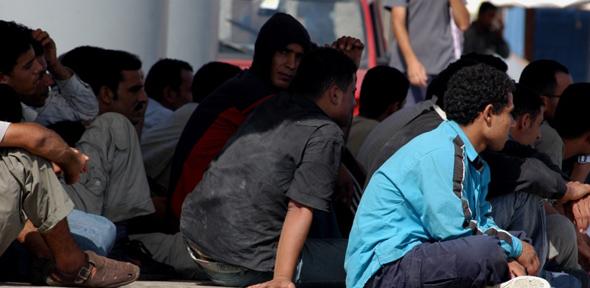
x=472, y=88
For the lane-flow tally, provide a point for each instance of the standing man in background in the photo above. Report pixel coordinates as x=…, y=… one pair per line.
x=424, y=43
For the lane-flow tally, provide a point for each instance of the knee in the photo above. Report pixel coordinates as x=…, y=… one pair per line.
x=485, y=249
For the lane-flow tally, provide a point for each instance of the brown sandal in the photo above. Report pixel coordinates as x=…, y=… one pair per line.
x=98, y=272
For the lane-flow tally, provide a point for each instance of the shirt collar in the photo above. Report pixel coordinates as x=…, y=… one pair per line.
x=472, y=154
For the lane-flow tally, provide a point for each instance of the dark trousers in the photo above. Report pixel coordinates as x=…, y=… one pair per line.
x=474, y=261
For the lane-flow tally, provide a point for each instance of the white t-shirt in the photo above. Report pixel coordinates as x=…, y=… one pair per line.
x=3, y=128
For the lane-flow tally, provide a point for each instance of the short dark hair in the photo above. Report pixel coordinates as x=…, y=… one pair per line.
x=526, y=102
x=321, y=68
x=165, y=73
x=539, y=76
x=438, y=86
x=573, y=104
x=382, y=86
x=100, y=67
x=210, y=76
x=485, y=7
x=17, y=41
x=472, y=88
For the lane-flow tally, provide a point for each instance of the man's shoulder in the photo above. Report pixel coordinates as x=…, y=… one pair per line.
x=438, y=144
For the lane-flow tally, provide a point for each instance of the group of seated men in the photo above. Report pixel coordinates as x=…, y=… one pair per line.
x=254, y=177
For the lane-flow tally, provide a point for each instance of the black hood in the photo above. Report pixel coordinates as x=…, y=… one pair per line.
x=279, y=31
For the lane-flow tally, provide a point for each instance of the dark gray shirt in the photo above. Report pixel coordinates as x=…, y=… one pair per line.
x=288, y=149
x=386, y=130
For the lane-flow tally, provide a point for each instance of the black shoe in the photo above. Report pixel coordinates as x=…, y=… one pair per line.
x=134, y=251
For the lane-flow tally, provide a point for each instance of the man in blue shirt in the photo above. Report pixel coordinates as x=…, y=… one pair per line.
x=423, y=218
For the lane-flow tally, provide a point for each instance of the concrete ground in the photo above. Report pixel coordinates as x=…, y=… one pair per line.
x=137, y=284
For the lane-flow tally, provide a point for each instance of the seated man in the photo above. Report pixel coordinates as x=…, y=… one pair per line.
x=69, y=100
x=168, y=86
x=522, y=178
x=72, y=100
x=30, y=189
x=575, y=135
x=398, y=129
x=383, y=92
x=423, y=218
x=158, y=143
x=115, y=185
x=278, y=168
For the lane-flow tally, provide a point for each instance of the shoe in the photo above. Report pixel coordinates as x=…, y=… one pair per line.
x=134, y=251
x=99, y=271
x=526, y=282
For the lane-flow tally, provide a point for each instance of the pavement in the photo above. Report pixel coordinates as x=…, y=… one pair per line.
x=137, y=284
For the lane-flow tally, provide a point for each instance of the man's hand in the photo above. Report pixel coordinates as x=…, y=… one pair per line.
x=516, y=269
x=72, y=163
x=528, y=259
x=50, y=55
x=417, y=73
x=575, y=191
x=351, y=47
x=275, y=283
x=580, y=211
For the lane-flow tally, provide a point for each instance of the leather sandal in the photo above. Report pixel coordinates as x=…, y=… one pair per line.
x=98, y=272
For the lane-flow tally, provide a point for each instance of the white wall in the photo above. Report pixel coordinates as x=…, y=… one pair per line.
x=151, y=29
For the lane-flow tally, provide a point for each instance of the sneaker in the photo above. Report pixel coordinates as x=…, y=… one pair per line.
x=526, y=282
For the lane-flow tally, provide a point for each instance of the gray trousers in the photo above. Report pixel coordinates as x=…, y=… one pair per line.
x=520, y=211
x=115, y=185
x=29, y=190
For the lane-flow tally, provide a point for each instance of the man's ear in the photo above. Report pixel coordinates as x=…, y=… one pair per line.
x=105, y=95
x=335, y=94
x=4, y=79
x=487, y=114
x=527, y=121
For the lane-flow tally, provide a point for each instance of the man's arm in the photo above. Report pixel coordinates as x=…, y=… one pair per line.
x=415, y=69
x=460, y=14
x=75, y=101
x=45, y=143
x=293, y=235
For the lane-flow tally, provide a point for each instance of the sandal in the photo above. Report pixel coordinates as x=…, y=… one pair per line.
x=98, y=272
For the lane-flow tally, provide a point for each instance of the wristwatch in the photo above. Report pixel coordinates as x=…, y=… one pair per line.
x=583, y=159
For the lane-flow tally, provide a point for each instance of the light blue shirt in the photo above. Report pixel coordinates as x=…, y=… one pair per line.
x=432, y=189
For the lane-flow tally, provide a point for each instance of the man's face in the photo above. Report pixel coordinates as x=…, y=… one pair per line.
x=24, y=77
x=38, y=98
x=184, y=93
x=130, y=99
x=532, y=133
x=487, y=19
x=284, y=65
x=501, y=124
x=344, y=111
x=562, y=80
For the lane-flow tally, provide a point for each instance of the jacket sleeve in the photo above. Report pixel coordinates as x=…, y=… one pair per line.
x=511, y=244
x=444, y=207
x=73, y=101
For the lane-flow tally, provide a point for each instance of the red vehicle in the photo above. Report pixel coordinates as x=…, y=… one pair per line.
x=325, y=20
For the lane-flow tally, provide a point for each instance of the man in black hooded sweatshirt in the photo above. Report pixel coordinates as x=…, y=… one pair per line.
x=278, y=50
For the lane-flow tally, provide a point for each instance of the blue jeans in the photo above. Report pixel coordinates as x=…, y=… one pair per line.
x=92, y=232
x=321, y=264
